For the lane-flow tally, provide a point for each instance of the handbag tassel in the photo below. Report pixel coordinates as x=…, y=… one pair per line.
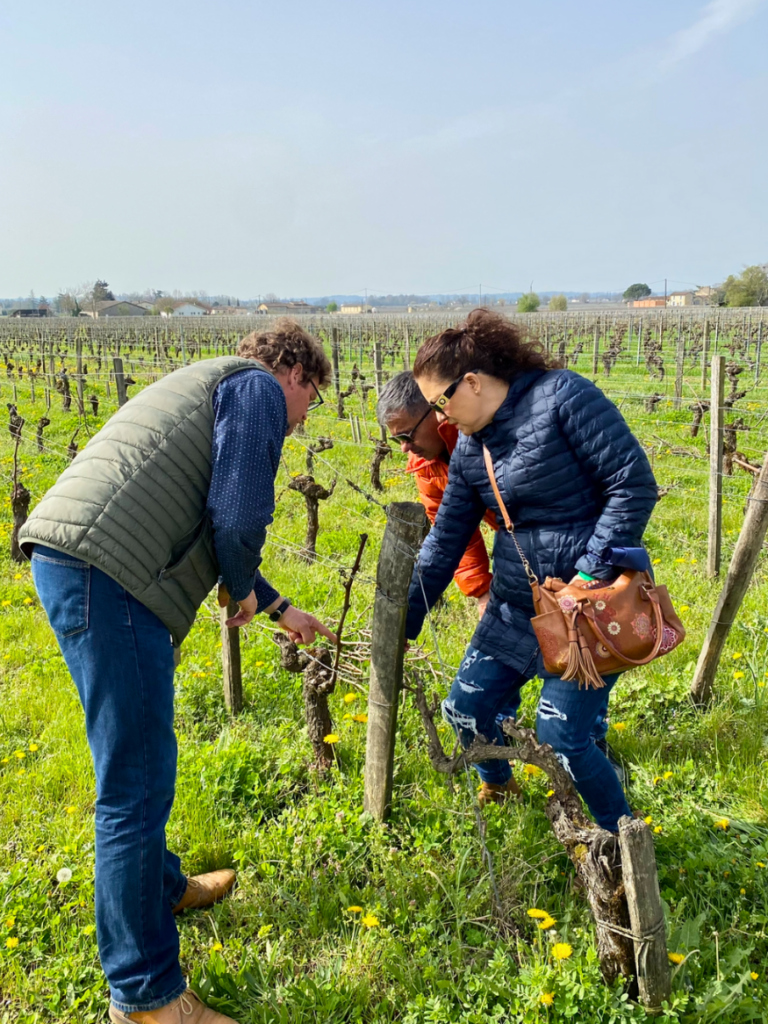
x=581, y=665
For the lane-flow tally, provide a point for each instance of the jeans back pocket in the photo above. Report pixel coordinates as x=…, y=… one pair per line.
x=63, y=585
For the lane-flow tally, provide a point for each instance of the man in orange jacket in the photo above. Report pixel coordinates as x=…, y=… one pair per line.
x=401, y=409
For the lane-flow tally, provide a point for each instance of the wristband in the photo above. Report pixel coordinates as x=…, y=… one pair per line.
x=281, y=609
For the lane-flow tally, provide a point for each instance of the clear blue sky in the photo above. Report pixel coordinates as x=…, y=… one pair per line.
x=309, y=148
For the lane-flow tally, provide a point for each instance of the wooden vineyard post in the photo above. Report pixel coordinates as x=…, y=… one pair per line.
x=378, y=374
x=646, y=914
x=737, y=581
x=758, y=350
x=79, y=365
x=407, y=348
x=679, y=367
x=335, y=359
x=230, y=660
x=704, y=354
x=596, y=349
x=122, y=391
x=716, y=437
x=402, y=537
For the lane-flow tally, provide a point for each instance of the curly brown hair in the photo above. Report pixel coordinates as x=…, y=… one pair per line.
x=285, y=345
x=487, y=343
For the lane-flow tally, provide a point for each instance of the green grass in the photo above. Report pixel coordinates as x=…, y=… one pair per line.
x=285, y=947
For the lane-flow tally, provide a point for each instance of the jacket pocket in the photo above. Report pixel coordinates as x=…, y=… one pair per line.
x=196, y=572
x=64, y=588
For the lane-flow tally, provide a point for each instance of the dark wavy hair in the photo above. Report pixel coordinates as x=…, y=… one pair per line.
x=485, y=342
x=285, y=345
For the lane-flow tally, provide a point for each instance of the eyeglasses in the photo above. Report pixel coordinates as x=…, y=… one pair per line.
x=407, y=438
x=448, y=394
x=316, y=402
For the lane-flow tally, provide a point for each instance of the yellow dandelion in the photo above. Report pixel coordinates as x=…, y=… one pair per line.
x=350, y=697
x=370, y=921
x=360, y=718
x=216, y=947
x=648, y=820
x=10, y=922
x=6, y=604
x=11, y=943
x=676, y=958
x=17, y=576
x=656, y=561
x=685, y=608
x=722, y=823
x=561, y=951
x=658, y=829
x=354, y=910
x=547, y=923
x=71, y=809
x=5, y=760
x=656, y=779
x=89, y=929
x=743, y=892
x=668, y=775
x=27, y=600
x=331, y=738
x=737, y=654
x=550, y=792
x=260, y=664
x=547, y=998
x=619, y=726
x=20, y=754
x=754, y=975
x=33, y=747
x=679, y=559
x=535, y=913
x=531, y=769
x=738, y=675
x=760, y=864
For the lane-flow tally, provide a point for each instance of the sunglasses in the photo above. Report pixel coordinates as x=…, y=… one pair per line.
x=439, y=404
x=316, y=402
x=409, y=436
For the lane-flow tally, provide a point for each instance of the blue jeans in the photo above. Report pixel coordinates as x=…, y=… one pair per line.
x=568, y=718
x=121, y=659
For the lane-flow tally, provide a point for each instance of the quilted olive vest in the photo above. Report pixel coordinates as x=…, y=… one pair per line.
x=133, y=502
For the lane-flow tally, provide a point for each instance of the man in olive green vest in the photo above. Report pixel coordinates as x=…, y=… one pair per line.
x=175, y=492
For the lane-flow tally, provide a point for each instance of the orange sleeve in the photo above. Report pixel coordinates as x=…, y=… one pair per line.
x=473, y=576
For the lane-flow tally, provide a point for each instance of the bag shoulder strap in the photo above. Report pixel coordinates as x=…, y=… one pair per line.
x=532, y=577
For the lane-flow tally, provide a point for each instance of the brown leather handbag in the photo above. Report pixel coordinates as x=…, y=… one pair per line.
x=591, y=629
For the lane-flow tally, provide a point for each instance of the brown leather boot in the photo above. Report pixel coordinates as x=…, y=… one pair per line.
x=492, y=792
x=187, y=1009
x=204, y=890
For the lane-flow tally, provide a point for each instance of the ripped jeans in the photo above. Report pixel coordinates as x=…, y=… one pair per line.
x=568, y=718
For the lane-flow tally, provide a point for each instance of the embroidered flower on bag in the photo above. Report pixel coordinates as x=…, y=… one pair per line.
x=567, y=604
x=600, y=605
x=614, y=628
x=669, y=638
x=642, y=626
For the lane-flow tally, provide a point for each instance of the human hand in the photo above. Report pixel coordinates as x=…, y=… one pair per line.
x=482, y=603
x=248, y=608
x=302, y=627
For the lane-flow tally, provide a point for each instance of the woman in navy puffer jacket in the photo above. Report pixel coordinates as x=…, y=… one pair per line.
x=575, y=482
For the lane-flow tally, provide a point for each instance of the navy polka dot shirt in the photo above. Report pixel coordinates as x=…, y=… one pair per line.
x=251, y=422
